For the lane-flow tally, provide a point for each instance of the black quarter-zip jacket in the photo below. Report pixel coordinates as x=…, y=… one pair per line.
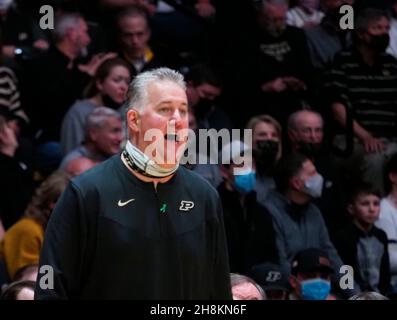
x=113, y=236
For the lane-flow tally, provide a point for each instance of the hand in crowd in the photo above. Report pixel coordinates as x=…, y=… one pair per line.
x=294, y=83
x=372, y=144
x=91, y=67
x=277, y=85
x=205, y=9
x=283, y=83
x=41, y=44
x=8, y=141
x=8, y=51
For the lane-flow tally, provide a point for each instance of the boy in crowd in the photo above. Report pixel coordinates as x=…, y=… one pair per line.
x=362, y=245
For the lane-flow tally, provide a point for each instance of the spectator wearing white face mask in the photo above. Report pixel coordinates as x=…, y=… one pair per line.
x=297, y=221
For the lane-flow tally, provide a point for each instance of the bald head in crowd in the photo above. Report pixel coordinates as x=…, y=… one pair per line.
x=79, y=165
x=305, y=126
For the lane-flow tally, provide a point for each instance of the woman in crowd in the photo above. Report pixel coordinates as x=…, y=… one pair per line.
x=108, y=88
x=21, y=244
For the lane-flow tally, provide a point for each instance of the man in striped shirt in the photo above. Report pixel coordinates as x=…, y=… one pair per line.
x=366, y=77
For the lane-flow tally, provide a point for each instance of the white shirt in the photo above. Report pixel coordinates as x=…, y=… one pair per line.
x=392, y=49
x=298, y=18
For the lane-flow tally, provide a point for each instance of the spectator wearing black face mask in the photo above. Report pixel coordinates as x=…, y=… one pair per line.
x=365, y=77
x=204, y=89
x=267, y=150
x=306, y=136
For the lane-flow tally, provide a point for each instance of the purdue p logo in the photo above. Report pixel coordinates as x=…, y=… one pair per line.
x=273, y=276
x=186, y=205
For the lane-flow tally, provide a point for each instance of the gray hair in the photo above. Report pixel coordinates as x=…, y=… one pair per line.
x=97, y=118
x=63, y=23
x=237, y=279
x=368, y=295
x=293, y=118
x=137, y=91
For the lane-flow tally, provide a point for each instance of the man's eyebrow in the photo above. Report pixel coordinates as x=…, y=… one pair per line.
x=165, y=102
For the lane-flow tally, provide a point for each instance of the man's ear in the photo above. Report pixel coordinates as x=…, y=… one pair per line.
x=92, y=134
x=392, y=177
x=133, y=121
x=293, y=281
x=296, y=183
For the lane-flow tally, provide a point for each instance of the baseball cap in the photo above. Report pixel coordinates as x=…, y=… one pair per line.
x=310, y=260
x=270, y=276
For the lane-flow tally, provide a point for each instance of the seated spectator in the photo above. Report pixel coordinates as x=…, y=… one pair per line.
x=108, y=88
x=55, y=80
x=327, y=38
x=244, y=288
x=21, y=34
x=267, y=151
x=16, y=185
x=79, y=165
x=306, y=136
x=19, y=290
x=364, y=78
x=9, y=91
x=362, y=245
x=392, y=49
x=22, y=243
x=239, y=209
x=103, y=137
x=275, y=77
x=311, y=276
x=133, y=35
x=297, y=221
x=198, y=160
x=305, y=14
x=203, y=92
x=273, y=280
x=388, y=217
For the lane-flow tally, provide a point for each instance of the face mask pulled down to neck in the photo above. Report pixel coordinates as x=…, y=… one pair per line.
x=144, y=165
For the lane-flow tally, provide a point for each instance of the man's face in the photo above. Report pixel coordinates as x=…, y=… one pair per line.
x=134, y=35
x=80, y=35
x=107, y=139
x=376, y=28
x=166, y=110
x=365, y=209
x=309, y=129
x=204, y=91
x=274, y=18
x=264, y=131
x=308, y=170
x=246, y=291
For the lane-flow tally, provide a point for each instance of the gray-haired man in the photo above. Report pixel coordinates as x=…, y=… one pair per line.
x=135, y=227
